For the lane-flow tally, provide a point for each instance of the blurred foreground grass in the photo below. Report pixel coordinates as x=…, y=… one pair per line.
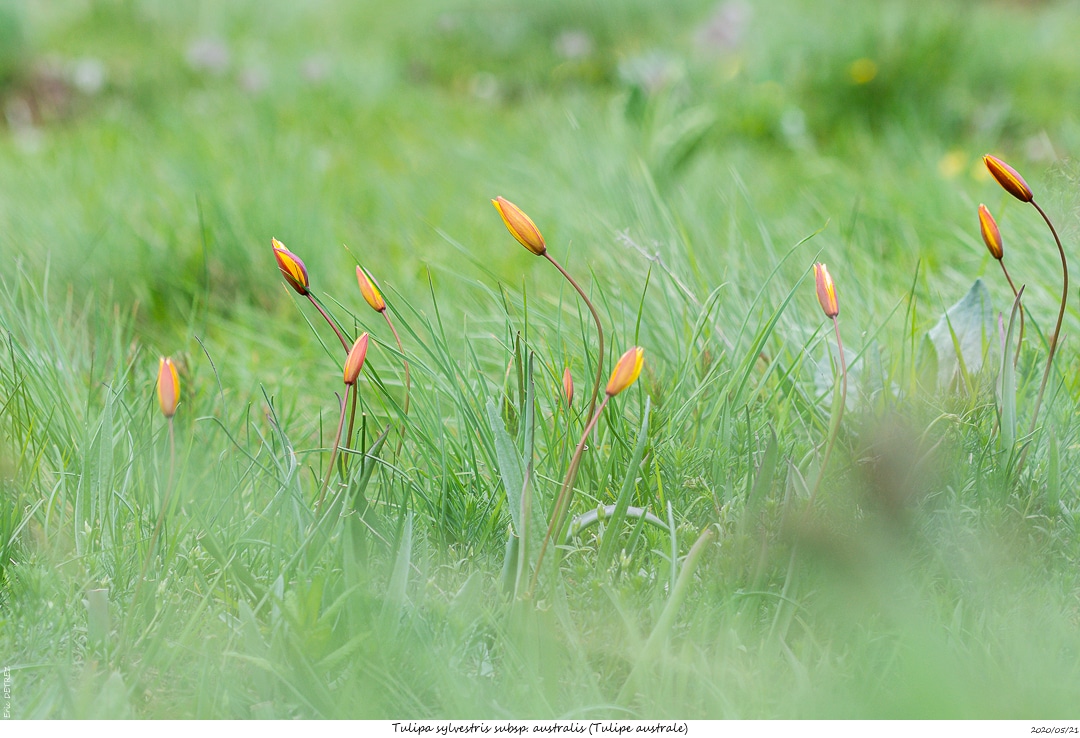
x=675, y=156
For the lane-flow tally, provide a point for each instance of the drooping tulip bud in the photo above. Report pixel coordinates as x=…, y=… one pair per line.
x=370, y=292
x=520, y=226
x=355, y=360
x=990, y=234
x=568, y=387
x=626, y=371
x=292, y=268
x=1008, y=178
x=826, y=291
x=168, y=387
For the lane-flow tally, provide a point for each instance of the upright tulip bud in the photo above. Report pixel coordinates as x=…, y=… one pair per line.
x=520, y=226
x=568, y=387
x=168, y=386
x=292, y=268
x=370, y=292
x=626, y=371
x=990, y=233
x=826, y=291
x=1008, y=178
x=355, y=360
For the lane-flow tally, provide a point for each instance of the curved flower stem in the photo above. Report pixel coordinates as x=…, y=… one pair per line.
x=318, y=306
x=566, y=494
x=1020, y=341
x=333, y=454
x=599, y=333
x=1061, y=316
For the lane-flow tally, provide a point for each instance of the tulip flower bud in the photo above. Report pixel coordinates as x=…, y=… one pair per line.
x=292, y=268
x=1008, y=178
x=626, y=371
x=568, y=387
x=520, y=226
x=826, y=291
x=355, y=360
x=168, y=387
x=990, y=233
x=370, y=292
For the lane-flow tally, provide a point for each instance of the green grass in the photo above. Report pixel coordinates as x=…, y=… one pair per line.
x=932, y=577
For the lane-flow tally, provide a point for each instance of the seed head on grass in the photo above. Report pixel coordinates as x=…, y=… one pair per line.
x=292, y=268
x=168, y=386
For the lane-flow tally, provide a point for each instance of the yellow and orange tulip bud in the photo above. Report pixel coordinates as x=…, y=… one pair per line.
x=370, y=292
x=1008, y=178
x=292, y=268
x=168, y=386
x=355, y=360
x=520, y=226
x=568, y=387
x=826, y=291
x=626, y=371
x=990, y=233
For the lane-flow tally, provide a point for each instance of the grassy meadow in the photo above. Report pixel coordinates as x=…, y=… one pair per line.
x=908, y=548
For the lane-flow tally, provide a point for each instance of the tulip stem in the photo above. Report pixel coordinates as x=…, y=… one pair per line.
x=1061, y=316
x=834, y=425
x=333, y=454
x=566, y=494
x=599, y=333
x=404, y=360
x=161, y=515
x=1016, y=358
x=405, y=407
x=322, y=312
x=352, y=420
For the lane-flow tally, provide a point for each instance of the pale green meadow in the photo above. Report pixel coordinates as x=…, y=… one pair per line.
x=752, y=524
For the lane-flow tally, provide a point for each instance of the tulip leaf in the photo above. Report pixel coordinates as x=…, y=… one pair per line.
x=622, y=502
x=510, y=464
x=962, y=335
x=1007, y=384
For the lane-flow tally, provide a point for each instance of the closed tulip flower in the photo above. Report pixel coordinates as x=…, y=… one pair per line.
x=292, y=268
x=168, y=386
x=520, y=226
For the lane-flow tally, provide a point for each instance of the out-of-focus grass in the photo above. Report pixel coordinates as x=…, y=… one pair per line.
x=688, y=148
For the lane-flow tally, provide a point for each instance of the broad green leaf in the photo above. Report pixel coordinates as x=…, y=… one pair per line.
x=963, y=334
x=510, y=464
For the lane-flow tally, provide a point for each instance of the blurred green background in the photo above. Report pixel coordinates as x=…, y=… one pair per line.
x=150, y=149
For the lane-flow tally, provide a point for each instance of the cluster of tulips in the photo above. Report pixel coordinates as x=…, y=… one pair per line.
x=1015, y=185
x=626, y=369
